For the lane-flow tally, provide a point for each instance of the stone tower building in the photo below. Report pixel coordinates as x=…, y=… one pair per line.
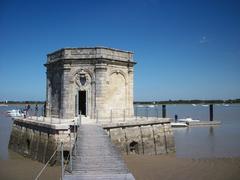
x=98, y=82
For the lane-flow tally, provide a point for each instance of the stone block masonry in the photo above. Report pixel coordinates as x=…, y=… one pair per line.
x=97, y=81
x=144, y=137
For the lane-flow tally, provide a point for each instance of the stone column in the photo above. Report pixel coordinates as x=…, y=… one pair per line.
x=130, y=92
x=100, y=89
x=65, y=111
x=48, y=94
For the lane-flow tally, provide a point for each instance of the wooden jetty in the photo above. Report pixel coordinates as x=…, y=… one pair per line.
x=96, y=157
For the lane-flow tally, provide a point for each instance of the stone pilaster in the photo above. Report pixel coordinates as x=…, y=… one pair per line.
x=100, y=89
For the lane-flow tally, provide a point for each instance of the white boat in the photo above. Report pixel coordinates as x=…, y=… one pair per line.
x=150, y=106
x=188, y=120
x=205, y=105
x=179, y=124
x=194, y=104
x=15, y=113
x=226, y=105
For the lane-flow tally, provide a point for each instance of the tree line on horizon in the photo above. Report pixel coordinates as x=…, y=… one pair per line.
x=195, y=101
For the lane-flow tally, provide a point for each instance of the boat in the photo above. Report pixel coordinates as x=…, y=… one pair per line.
x=15, y=113
x=3, y=105
x=205, y=105
x=226, y=105
x=188, y=120
x=194, y=105
x=179, y=124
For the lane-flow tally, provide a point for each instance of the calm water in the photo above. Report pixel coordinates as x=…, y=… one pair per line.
x=198, y=142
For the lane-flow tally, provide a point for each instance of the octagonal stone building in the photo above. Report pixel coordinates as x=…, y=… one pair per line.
x=96, y=82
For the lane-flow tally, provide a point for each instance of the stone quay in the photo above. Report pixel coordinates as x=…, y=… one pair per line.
x=90, y=86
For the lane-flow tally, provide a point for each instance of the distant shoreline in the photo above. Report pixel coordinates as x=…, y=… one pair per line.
x=229, y=101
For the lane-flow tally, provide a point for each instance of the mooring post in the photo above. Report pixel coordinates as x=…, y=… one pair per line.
x=147, y=111
x=163, y=111
x=62, y=164
x=211, y=112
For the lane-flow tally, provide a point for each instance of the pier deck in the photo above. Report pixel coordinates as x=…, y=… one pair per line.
x=96, y=157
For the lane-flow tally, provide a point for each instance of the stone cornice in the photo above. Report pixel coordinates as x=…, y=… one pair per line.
x=90, y=53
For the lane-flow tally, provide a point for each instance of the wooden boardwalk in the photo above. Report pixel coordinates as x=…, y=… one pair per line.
x=96, y=157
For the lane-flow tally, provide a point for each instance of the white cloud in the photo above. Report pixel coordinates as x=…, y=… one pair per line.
x=203, y=40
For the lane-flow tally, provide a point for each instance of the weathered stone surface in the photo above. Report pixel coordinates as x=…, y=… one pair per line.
x=37, y=144
x=105, y=74
x=142, y=138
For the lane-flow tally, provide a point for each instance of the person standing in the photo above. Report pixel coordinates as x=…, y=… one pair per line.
x=176, y=117
x=36, y=110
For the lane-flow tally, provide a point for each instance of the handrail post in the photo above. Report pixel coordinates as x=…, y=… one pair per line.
x=124, y=115
x=62, y=164
x=136, y=112
x=80, y=118
x=74, y=141
x=70, y=153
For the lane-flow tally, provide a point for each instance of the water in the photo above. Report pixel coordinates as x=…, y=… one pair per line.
x=203, y=142
x=196, y=142
x=6, y=127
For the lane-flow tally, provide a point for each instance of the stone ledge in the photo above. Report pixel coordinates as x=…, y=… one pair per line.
x=32, y=122
x=143, y=122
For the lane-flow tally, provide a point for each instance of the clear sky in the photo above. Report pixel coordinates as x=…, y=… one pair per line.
x=184, y=49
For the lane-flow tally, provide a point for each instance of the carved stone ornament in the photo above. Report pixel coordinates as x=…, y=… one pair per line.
x=82, y=80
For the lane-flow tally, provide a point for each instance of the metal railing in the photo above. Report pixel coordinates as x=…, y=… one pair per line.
x=73, y=146
x=40, y=173
x=77, y=123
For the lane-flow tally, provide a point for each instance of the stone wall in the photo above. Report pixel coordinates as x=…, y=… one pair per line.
x=109, y=82
x=149, y=139
x=37, y=143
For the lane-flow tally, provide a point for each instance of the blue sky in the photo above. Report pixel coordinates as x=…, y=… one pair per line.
x=184, y=49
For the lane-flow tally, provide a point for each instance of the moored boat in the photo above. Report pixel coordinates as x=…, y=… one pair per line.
x=15, y=113
x=188, y=120
x=179, y=124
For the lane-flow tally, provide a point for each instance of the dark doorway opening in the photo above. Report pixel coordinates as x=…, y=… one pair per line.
x=82, y=102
